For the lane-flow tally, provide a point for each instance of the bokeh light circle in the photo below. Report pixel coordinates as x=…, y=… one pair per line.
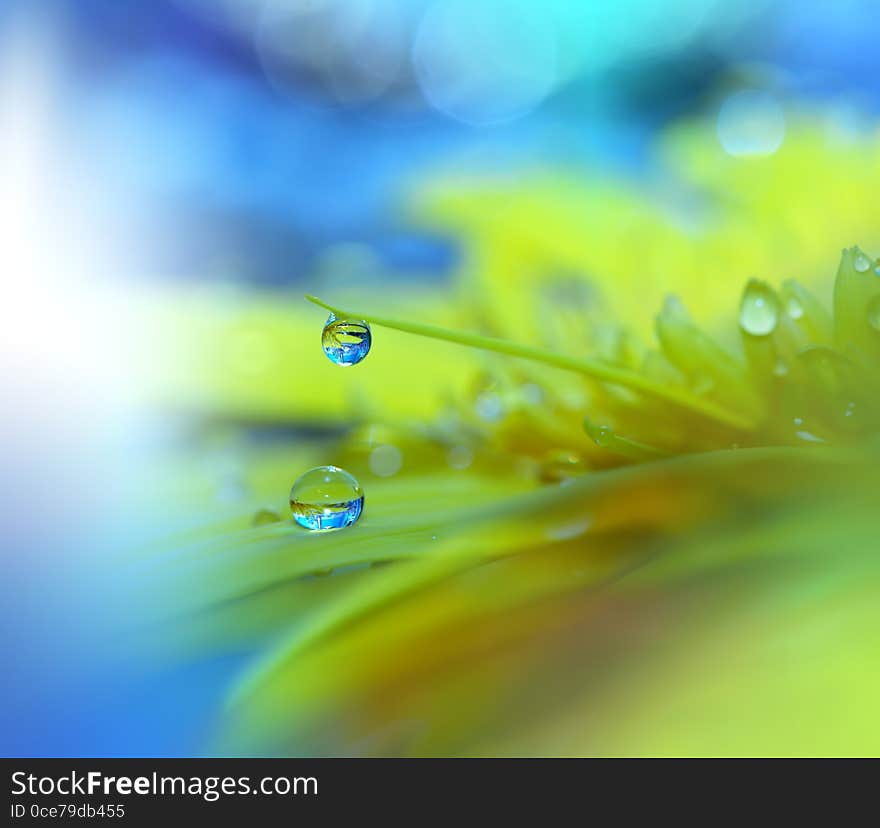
x=751, y=123
x=485, y=63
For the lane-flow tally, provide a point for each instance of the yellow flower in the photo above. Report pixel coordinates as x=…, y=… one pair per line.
x=613, y=530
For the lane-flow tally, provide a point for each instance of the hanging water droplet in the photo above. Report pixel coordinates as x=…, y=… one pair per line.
x=759, y=310
x=861, y=262
x=877, y=268
x=346, y=342
x=326, y=497
x=874, y=313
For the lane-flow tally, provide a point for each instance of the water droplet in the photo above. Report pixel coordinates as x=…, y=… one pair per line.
x=489, y=406
x=808, y=437
x=346, y=342
x=559, y=465
x=570, y=530
x=861, y=262
x=794, y=308
x=874, y=313
x=532, y=393
x=326, y=497
x=798, y=421
x=759, y=310
x=385, y=460
x=263, y=517
x=850, y=409
x=780, y=369
x=602, y=435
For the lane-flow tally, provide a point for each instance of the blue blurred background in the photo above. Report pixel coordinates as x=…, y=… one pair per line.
x=258, y=142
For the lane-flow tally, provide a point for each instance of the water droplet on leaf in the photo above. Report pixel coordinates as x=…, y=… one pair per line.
x=346, y=342
x=861, y=262
x=794, y=308
x=489, y=406
x=759, y=310
x=325, y=498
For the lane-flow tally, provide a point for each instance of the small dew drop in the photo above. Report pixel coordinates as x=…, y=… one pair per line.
x=532, y=393
x=560, y=465
x=326, y=498
x=874, y=313
x=808, y=437
x=798, y=421
x=861, y=262
x=759, y=310
x=489, y=406
x=570, y=530
x=780, y=369
x=346, y=342
x=794, y=308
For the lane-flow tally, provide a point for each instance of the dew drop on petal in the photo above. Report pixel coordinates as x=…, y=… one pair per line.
x=489, y=406
x=569, y=530
x=794, y=308
x=808, y=437
x=325, y=498
x=346, y=342
x=874, y=313
x=861, y=262
x=759, y=311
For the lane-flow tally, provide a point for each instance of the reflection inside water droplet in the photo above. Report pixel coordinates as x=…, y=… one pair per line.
x=346, y=342
x=325, y=498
